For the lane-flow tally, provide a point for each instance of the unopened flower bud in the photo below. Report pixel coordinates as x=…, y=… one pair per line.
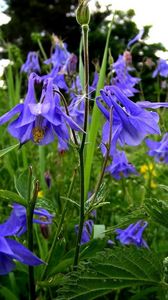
x=47, y=177
x=45, y=230
x=82, y=13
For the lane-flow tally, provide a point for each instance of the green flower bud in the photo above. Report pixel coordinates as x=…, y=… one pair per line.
x=82, y=13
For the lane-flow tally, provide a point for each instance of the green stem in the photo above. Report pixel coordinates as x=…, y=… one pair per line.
x=85, y=29
x=30, y=209
x=42, y=49
x=42, y=166
x=59, y=227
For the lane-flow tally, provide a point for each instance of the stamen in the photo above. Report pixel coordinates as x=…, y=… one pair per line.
x=38, y=134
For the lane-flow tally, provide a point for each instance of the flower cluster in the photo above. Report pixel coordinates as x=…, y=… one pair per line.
x=131, y=123
x=42, y=121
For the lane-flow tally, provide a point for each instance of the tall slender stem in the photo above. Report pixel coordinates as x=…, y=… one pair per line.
x=30, y=209
x=85, y=29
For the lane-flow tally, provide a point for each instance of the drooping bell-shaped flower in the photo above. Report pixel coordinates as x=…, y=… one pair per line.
x=17, y=223
x=161, y=69
x=31, y=64
x=59, y=55
x=39, y=121
x=87, y=231
x=132, y=235
x=11, y=250
x=159, y=149
x=122, y=78
x=130, y=123
x=120, y=166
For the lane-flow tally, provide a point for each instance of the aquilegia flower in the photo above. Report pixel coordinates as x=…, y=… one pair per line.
x=60, y=54
x=31, y=64
x=41, y=121
x=133, y=234
x=120, y=166
x=17, y=223
x=12, y=250
x=161, y=69
x=87, y=231
x=159, y=149
x=130, y=124
x=123, y=79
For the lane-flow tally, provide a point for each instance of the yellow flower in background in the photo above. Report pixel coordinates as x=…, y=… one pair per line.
x=148, y=169
x=153, y=184
x=40, y=194
x=148, y=172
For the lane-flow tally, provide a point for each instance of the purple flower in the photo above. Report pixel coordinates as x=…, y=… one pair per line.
x=41, y=121
x=162, y=68
x=136, y=38
x=120, y=166
x=17, y=223
x=133, y=234
x=58, y=78
x=123, y=79
x=31, y=64
x=59, y=56
x=87, y=231
x=159, y=149
x=11, y=249
x=131, y=123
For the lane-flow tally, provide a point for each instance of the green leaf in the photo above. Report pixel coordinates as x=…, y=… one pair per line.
x=70, y=200
x=158, y=211
x=21, y=184
x=56, y=258
x=6, y=150
x=12, y=197
x=95, y=124
x=112, y=269
x=7, y=294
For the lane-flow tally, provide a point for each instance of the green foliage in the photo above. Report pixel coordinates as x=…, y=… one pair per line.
x=110, y=270
x=158, y=211
x=8, y=149
x=9, y=197
x=21, y=184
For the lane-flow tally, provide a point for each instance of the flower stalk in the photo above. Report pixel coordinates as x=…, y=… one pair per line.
x=30, y=210
x=85, y=29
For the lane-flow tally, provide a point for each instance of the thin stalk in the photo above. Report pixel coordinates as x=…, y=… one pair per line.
x=42, y=49
x=85, y=29
x=30, y=236
x=41, y=150
x=59, y=226
x=67, y=112
x=82, y=211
